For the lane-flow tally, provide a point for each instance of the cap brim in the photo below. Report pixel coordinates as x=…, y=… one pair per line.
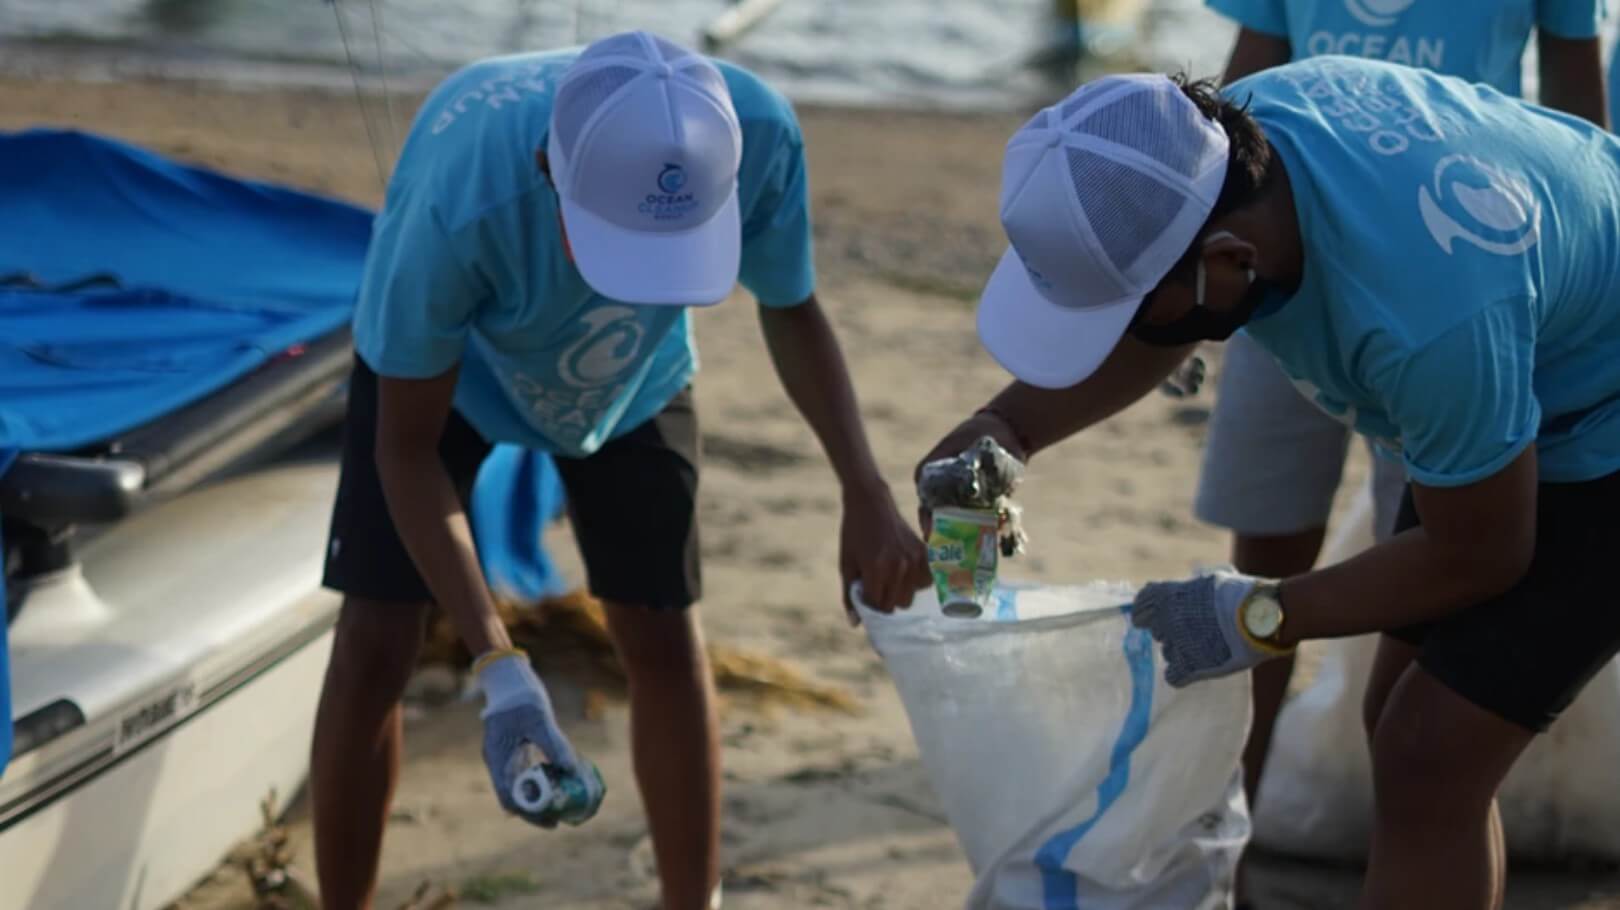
x=694, y=267
x=1040, y=342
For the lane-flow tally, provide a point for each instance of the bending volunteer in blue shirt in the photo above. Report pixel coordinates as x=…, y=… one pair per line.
x=1431, y=261
x=552, y=218
x=1273, y=462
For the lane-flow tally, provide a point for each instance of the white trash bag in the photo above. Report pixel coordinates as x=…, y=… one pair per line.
x=1073, y=775
x=1561, y=799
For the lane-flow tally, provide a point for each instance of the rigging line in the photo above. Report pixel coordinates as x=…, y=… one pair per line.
x=382, y=69
x=398, y=37
x=359, y=96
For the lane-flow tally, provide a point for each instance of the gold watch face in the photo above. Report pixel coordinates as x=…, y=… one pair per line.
x=1262, y=615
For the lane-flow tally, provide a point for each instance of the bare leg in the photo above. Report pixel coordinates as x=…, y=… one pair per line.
x=1393, y=659
x=1438, y=761
x=676, y=743
x=358, y=741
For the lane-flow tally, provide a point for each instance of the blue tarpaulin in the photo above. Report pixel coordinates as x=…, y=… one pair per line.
x=132, y=286
x=205, y=278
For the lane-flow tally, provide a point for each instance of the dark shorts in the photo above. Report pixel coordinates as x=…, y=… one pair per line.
x=632, y=504
x=1526, y=654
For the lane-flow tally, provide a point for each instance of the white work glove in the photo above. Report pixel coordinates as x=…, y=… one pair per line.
x=517, y=711
x=1196, y=624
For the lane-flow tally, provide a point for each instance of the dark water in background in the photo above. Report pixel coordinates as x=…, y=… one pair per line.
x=915, y=53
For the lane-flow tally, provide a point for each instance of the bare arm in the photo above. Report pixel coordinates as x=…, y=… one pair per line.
x=811, y=367
x=1572, y=78
x=425, y=509
x=1255, y=51
x=877, y=547
x=1475, y=542
x=1046, y=417
x=1026, y=419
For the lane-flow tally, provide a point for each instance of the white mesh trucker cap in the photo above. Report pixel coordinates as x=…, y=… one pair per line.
x=1101, y=194
x=644, y=150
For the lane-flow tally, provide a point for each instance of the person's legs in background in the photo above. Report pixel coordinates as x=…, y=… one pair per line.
x=1272, y=464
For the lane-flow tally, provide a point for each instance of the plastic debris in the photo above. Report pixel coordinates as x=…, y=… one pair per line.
x=982, y=477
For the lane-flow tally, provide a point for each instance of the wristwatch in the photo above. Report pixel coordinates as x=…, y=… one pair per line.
x=1261, y=616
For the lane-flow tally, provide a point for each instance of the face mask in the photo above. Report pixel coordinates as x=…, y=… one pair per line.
x=1204, y=324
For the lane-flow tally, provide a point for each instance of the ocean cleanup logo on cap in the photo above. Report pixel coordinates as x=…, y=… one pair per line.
x=672, y=178
x=1377, y=13
x=1484, y=205
x=671, y=202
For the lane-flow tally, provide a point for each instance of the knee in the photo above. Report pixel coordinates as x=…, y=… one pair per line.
x=376, y=647
x=661, y=648
x=1418, y=779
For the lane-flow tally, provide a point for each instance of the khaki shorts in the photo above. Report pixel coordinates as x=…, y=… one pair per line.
x=1274, y=460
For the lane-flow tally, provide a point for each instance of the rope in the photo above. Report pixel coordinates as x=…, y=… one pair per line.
x=359, y=95
x=382, y=69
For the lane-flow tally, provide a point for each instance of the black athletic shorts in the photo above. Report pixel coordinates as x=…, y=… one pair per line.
x=1527, y=653
x=632, y=504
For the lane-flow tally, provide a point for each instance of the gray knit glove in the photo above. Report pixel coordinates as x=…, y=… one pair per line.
x=1195, y=623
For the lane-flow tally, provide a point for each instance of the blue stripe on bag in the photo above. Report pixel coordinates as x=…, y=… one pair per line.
x=1059, y=886
x=1006, y=605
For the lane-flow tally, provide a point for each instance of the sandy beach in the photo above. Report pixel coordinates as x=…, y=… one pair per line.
x=822, y=809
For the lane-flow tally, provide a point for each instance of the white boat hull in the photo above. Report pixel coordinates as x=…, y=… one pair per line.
x=184, y=670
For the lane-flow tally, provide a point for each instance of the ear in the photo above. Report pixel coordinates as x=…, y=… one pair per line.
x=1225, y=248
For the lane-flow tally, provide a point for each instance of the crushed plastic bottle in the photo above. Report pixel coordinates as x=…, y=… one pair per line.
x=554, y=794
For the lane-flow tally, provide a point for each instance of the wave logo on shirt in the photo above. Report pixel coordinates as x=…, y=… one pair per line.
x=609, y=344
x=1377, y=13
x=1484, y=205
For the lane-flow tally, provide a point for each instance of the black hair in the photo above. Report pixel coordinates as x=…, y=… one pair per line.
x=1250, y=163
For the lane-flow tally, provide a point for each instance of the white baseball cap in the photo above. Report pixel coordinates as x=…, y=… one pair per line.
x=1101, y=195
x=644, y=150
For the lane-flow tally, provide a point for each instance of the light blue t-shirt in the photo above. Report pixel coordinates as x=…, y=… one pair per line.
x=1477, y=40
x=467, y=264
x=1461, y=290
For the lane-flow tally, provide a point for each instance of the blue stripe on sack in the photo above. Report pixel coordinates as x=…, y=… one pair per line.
x=1059, y=886
x=1006, y=605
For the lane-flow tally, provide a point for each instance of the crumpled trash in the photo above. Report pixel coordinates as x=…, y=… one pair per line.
x=983, y=477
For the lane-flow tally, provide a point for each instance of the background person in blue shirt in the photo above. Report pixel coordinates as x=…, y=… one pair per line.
x=552, y=217
x=1432, y=262
x=1273, y=461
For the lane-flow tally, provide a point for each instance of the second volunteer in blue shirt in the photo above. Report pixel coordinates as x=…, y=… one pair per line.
x=1272, y=462
x=1432, y=262
x=552, y=218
